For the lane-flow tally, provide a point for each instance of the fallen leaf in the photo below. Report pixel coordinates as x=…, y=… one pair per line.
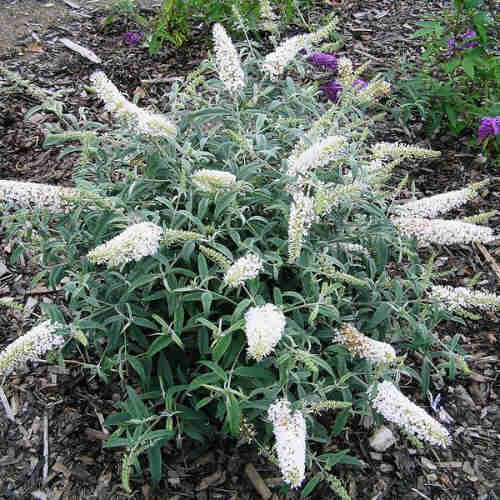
x=35, y=47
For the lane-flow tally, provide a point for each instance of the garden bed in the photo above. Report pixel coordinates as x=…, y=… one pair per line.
x=65, y=408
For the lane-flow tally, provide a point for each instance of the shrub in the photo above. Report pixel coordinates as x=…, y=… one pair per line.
x=239, y=266
x=457, y=83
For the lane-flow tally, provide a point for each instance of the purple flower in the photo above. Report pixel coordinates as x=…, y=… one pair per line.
x=471, y=43
x=323, y=59
x=452, y=44
x=360, y=84
x=332, y=90
x=490, y=126
x=131, y=38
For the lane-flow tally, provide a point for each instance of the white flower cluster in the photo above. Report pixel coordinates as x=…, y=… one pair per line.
x=302, y=215
x=143, y=121
x=269, y=18
x=398, y=150
x=365, y=347
x=318, y=155
x=264, y=327
x=457, y=299
x=176, y=236
x=435, y=205
x=397, y=408
x=290, y=432
x=275, y=62
x=245, y=268
x=136, y=242
x=374, y=89
x=328, y=196
x=442, y=232
x=227, y=60
x=352, y=247
x=345, y=72
x=213, y=180
x=33, y=195
x=31, y=346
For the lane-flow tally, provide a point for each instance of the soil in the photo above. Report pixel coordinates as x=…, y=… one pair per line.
x=58, y=413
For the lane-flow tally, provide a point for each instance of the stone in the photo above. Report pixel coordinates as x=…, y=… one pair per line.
x=382, y=439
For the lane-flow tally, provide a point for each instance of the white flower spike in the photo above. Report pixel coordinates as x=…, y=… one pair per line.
x=136, y=242
x=397, y=408
x=31, y=346
x=242, y=270
x=227, y=60
x=365, y=347
x=212, y=181
x=264, y=327
x=33, y=195
x=290, y=432
x=143, y=121
x=441, y=231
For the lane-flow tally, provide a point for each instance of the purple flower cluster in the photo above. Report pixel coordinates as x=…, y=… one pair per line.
x=131, y=38
x=323, y=59
x=489, y=127
x=333, y=89
x=466, y=37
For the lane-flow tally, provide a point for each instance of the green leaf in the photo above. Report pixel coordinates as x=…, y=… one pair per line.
x=223, y=201
x=221, y=346
x=136, y=405
x=233, y=414
x=240, y=309
x=468, y=66
x=340, y=422
x=381, y=314
x=206, y=300
x=158, y=345
x=452, y=115
x=312, y=483
x=341, y=457
x=253, y=372
x=450, y=66
x=215, y=368
x=155, y=462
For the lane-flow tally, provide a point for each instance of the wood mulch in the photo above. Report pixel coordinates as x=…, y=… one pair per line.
x=57, y=414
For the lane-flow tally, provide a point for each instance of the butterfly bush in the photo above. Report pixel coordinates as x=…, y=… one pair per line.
x=398, y=409
x=289, y=429
x=144, y=122
x=275, y=62
x=398, y=150
x=322, y=59
x=243, y=269
x=363, y=346
x=489, y=127
x=227, y=60
x=269, y=20
x=441, y=231
x=213, y=180
x=460, y=298
x=438, y=204
x=313, y=180
x=264, y=327
x=133, y=244
x=302, y=215
x=30, y=346
x=318, y=155
x=33, y=195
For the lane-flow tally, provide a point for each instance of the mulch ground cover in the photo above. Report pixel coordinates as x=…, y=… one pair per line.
x=52, y=448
